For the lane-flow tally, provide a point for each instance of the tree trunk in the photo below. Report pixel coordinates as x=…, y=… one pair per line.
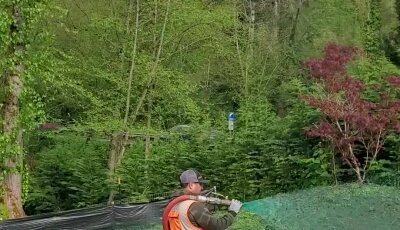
x=119, y=140
x=294, y=26
x=250, y=53
x=358, y=173
x=13, y=181
x=117, y=144
x=147, y=151
x=334, y=166
x=276, y=22
x=238, y=48
x=10, y=129
x=153, y=74
x=356, y=167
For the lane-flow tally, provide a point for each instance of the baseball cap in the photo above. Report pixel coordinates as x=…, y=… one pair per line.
x=192, y=176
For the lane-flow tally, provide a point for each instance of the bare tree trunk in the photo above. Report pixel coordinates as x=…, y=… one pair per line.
x=250, y=42
x=249, y=54
x=355, y=165
x=10, y=129
x=155, y=29
x=128, y=94
x=156, y=53
x=116, y=143
x=238, y=50
x=358, y=173
x=154, y=69
x=334, y=167
x=294, y=26
x=147, y=151
x=275, y=21
x=119, y=140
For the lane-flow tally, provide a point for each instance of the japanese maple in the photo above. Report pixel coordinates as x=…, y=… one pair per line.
x=354, y=125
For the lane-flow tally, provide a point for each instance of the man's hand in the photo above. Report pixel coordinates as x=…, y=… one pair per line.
x=235, y=206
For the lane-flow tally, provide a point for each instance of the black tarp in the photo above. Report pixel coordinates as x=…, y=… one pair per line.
x=92, y=218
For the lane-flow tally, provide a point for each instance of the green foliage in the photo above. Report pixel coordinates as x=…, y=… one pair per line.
x=158, y=172
x=3, y=212
x=390, y=38
x=25, y=182
x=319, y=23
x=386, y=170
x=4, y=31
x=372, y=37
x=68, y=173
x=78, y=64
x=247, y=220
x=373, y=71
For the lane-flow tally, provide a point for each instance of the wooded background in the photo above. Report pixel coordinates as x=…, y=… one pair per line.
x=104, y=100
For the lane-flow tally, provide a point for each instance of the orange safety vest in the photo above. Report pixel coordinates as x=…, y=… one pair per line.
x=178, y=217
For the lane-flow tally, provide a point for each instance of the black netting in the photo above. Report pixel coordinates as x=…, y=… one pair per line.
x=138, y=216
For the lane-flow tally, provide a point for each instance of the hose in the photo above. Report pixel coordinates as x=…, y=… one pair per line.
x=169, y=207
x=210, y=200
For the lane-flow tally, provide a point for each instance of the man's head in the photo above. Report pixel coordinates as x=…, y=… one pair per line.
x=192, y=181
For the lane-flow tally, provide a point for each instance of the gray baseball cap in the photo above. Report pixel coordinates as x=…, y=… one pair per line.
x=192, y=176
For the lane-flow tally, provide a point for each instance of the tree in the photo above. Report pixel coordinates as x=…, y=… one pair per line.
x=19, y=110
x=10, y=128
x=354, y=124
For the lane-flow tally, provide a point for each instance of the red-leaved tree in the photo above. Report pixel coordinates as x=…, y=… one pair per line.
x=355, y=126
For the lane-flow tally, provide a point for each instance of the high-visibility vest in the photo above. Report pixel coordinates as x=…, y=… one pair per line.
x=178, y=217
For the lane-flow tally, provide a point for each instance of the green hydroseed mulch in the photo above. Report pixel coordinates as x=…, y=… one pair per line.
x=335, y=207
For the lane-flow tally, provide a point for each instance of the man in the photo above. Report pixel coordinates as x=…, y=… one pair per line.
x=194, y=215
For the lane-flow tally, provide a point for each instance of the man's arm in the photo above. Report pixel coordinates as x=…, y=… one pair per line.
x=212, y=207
x=200, y=215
